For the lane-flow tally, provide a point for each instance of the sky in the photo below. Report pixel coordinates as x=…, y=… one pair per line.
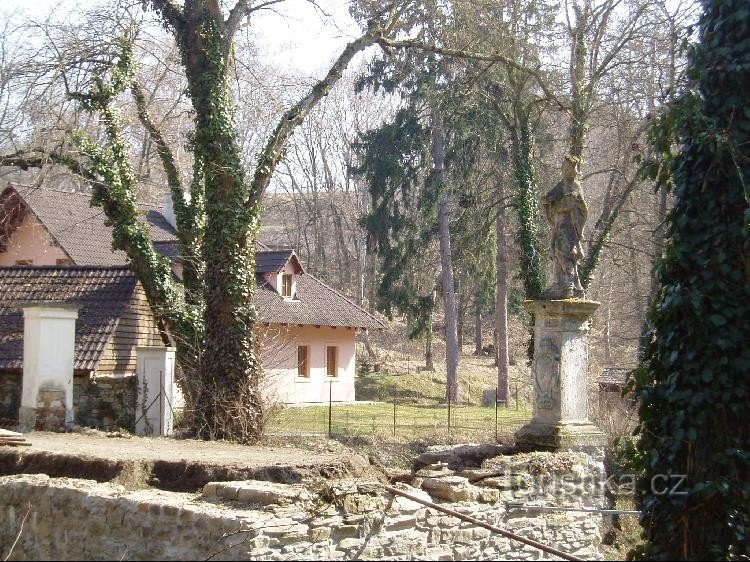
x=295, y=35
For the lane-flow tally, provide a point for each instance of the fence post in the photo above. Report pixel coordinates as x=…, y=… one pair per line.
x=506, y=405
x=330, y=406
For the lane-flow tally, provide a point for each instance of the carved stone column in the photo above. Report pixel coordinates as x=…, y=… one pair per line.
x=560, y=377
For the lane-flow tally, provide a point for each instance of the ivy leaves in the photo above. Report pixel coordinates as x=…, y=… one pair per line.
x=693, y=385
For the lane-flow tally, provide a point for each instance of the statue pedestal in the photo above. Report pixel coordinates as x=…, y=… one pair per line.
x=560, y=377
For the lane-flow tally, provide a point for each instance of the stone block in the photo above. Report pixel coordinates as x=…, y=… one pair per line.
x=348, y=544
x=345, y=531
x=256, y=491
x=320, y=534
x=451, y=488
x=362, y=503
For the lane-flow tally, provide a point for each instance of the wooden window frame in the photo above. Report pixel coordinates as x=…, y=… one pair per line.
x=286, y=291
x=303, y=370
x=335, y=350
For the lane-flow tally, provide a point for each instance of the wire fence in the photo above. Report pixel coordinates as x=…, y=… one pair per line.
x=401, y=418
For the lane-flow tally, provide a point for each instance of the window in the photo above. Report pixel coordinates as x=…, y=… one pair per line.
x=24, y=262
x=64, y=261
x=286, y=285
x=332, y=361
x=303, y=361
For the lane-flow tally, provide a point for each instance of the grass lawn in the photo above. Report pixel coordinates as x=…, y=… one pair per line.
x=420, y=411
x=412, y=421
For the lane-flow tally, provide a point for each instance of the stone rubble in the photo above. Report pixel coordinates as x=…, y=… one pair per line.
x=342, y=520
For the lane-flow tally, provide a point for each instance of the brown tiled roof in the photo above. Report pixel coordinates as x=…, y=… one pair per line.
x=615, y=376
x=103, y=293
x=317, y=304
x=273, y=261
x=80, y=229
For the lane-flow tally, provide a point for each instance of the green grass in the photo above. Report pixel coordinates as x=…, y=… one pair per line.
x=420, y=411
x=412, y=421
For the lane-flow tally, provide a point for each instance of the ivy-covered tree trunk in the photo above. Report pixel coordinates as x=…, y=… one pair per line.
x=527, y=206
x=228, y=403
x=693, y=386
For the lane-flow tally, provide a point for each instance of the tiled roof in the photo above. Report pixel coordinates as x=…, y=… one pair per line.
x=80, y=229
x=273, y=261
x=102, y=293
x=613, y=376
x=317, y=304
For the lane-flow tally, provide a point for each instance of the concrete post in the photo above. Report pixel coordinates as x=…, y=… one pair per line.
x=48, y=360
x=154, y=411
x=560, y=377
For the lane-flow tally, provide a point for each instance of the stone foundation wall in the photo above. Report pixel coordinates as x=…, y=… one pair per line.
x=10, y=398
x=105, y=402
x=80, y=519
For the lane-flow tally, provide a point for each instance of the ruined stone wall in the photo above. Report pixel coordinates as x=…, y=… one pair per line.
x=80, y=519
x=103, y=402
x=10, y=397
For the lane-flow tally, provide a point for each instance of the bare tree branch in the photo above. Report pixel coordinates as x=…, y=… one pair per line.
x=274, y=148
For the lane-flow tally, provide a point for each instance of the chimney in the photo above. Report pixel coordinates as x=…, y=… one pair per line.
x=168, y=210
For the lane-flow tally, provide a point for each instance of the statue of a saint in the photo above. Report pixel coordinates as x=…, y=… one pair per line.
x=566, y=213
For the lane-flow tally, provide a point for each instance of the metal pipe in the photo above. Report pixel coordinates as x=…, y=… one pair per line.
x=578, y=509
x=497, y=530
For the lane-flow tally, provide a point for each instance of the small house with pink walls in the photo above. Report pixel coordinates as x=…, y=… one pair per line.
x=308, y=328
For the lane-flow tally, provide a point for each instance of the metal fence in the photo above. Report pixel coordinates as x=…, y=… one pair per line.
x=400, y=417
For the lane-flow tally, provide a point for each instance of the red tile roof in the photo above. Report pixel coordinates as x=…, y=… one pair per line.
x=82, y=232
x=316, y=304
x=80, y=229
x=102, y=293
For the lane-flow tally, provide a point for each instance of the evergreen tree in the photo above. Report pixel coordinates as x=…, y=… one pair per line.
x=694, y=383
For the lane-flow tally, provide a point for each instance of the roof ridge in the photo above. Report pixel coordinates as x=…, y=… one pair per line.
x=347, y=299
x=68, y=267
x=84, y=193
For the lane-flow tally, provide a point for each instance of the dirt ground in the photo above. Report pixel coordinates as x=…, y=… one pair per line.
x=97, y=444
x=176, y=464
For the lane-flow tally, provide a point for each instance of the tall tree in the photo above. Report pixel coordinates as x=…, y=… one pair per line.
x=213, y=319
x=693, y=387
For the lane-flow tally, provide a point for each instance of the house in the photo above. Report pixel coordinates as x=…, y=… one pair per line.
x=56, y=248
x=113, y=319
x=611, y=383
x=309, y=330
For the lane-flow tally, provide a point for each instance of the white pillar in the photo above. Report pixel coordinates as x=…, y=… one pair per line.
x=560, y=377
x=48, y=357
x=154, y=408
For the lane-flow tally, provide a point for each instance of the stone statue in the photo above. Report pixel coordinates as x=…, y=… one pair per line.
x=566, y=213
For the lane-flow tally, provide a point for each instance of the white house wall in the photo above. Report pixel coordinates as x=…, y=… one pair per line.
x=280, y=363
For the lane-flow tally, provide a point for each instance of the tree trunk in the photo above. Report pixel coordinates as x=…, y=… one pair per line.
x=446, y=262
x=460, y=312
x=579, y=94
x=429, y=365
x=229, y=402
x=657, y=253
x=501, y=300
x=533, y=266
x=477, y=330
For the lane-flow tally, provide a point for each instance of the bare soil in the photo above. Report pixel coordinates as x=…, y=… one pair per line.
x=182, y=465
